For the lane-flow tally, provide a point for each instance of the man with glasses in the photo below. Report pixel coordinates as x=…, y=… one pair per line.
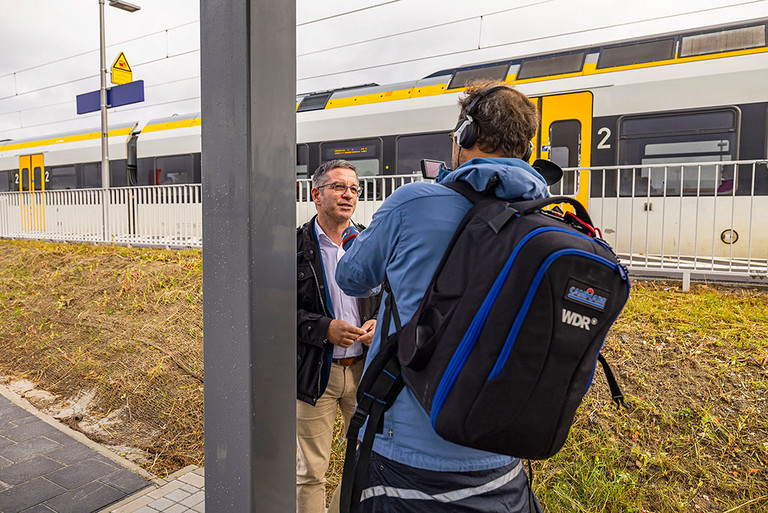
x=333, y=330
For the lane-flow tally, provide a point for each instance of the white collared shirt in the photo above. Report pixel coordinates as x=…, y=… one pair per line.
x=344, y=306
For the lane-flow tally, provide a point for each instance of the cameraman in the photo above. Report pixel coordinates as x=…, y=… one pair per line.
x=412, y=468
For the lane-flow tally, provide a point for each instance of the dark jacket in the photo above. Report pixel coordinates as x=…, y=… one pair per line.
x=314, y=352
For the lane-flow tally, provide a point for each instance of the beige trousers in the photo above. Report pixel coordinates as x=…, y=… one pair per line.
x=314, y=435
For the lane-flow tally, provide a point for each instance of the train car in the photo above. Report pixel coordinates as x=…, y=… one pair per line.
x=663, y=137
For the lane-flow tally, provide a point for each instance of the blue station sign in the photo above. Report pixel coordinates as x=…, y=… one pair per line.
x=132, y=92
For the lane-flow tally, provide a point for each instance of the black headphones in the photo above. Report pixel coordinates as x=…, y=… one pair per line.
x=465, y=133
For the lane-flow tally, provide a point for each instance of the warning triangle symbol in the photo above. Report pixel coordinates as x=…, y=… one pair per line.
x=121, y=63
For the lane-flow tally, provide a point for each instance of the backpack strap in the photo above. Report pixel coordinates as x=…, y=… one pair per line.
x=469, y=192
x=616, y=393
x=378, y=389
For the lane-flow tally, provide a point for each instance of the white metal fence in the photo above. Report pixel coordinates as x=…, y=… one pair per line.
x=694, y=218
x=166, y=216
x=375, y=190
x=701, y=218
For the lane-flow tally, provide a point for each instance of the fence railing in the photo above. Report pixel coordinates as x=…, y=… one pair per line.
x=166, y=216
x=687, y=218
x=707, y=218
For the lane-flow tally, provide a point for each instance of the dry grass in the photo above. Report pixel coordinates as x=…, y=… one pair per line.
x=126, y=325
x=123, y=324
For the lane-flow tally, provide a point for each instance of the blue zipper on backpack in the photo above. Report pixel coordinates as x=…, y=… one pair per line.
x=473, y=332
x=512, y=337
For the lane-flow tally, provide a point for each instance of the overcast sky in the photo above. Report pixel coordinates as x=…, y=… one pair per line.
x=50, y=47
x=38, y=32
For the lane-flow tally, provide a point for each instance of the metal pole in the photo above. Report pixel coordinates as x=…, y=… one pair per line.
x=248, y=84
x=103, y=94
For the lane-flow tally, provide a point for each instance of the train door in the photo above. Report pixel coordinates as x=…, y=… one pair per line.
x=31, y=182
x=565, y=139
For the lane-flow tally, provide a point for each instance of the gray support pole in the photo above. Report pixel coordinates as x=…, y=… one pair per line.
x=103, y=100
x=248, y=57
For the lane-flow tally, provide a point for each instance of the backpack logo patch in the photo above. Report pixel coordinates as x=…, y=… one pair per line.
x=586, y=295
x=577, y=320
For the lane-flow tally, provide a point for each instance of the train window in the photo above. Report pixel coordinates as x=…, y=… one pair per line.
x=723, y=41
x=679, y=138
x=117, y=173
x=90, y=175
x=302, y=161
x=61, y=177
x=565, y=151
x=365, y=154
x=556, y=65
x=412, y=148
x=174, y=169
x=25, y=179
x=145, y=171
x=314, y=102
x=695, y=122
x=637, y=53
x=38, y=184
x=5, y=181
x=496, y=73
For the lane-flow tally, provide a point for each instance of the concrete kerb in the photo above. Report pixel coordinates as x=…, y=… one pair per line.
x=80, y=437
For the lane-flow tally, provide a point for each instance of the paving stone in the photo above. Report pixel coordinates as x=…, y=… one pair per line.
x=28, y=449
x=4, y=462
x=11, y=419
x=193, y=479
x=25, y=420
x=104, y=459
x=10, y=413
x=28, y=469
x=29, y=494
x=61, y=437
x=5, y=442
x=30, y=430
x=160, y=504
x=194, y=499
x=177, y=495
x=125, y=481
x=166, y=489
x=91, y=497
x=70, y=454
x=80, y=473
x=189, y=488
x=133, y=505
x=176, y=508
x=40, y=508
x=200, y=508
x=146, y=509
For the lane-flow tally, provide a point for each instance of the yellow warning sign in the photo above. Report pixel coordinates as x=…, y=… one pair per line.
x=121, y=70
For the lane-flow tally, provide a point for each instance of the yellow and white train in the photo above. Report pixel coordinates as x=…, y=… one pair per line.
x=658, y=134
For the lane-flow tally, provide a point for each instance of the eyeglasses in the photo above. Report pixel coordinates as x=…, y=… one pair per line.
x=340, y=188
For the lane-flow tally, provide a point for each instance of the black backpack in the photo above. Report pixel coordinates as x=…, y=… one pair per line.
x=505, y=342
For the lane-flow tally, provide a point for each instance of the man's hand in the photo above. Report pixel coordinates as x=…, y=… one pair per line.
x=342, y=333
x=370, y=328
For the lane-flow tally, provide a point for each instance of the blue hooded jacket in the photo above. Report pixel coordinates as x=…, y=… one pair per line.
x=406, y=240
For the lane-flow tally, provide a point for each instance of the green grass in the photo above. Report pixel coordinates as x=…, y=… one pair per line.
x=695, y=435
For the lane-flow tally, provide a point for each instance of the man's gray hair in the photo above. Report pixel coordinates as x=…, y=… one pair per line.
x=318, y=177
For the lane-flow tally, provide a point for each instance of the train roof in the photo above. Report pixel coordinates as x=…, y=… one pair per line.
x=708, y=43
x=661, y=49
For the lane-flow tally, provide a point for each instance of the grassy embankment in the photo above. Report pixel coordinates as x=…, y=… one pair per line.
x=117, y=333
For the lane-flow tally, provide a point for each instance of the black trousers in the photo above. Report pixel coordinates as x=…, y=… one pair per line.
x=393, y=487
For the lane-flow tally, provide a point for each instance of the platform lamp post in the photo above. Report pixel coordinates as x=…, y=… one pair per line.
x=125, y=6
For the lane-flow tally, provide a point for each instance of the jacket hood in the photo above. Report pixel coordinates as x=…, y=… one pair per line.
x=517, y=178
